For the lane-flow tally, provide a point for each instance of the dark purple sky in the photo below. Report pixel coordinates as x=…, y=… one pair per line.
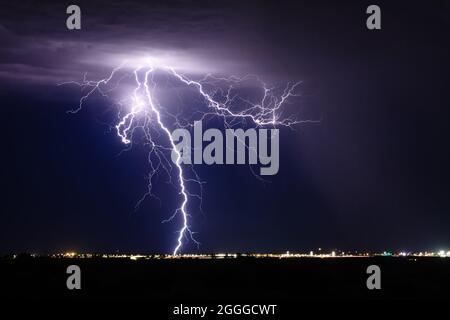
x=373, y=174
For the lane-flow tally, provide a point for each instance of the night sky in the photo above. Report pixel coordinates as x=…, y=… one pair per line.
x=372, y=175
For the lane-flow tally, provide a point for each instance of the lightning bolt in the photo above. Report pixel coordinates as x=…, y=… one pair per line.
x=222, y=98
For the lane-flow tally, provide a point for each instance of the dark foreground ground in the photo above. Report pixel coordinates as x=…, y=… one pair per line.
x=242, y=280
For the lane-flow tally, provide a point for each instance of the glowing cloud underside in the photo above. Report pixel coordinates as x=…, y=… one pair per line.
x=221, y=99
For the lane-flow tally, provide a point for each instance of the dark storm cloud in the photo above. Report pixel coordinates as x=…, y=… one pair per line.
x=193, y=37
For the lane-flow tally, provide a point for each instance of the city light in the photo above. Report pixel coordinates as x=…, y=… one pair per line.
x=321, y=254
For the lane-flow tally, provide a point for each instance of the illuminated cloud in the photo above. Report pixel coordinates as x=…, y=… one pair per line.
x=38, y=47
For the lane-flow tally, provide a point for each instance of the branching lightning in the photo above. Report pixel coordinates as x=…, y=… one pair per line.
x=221, y=98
